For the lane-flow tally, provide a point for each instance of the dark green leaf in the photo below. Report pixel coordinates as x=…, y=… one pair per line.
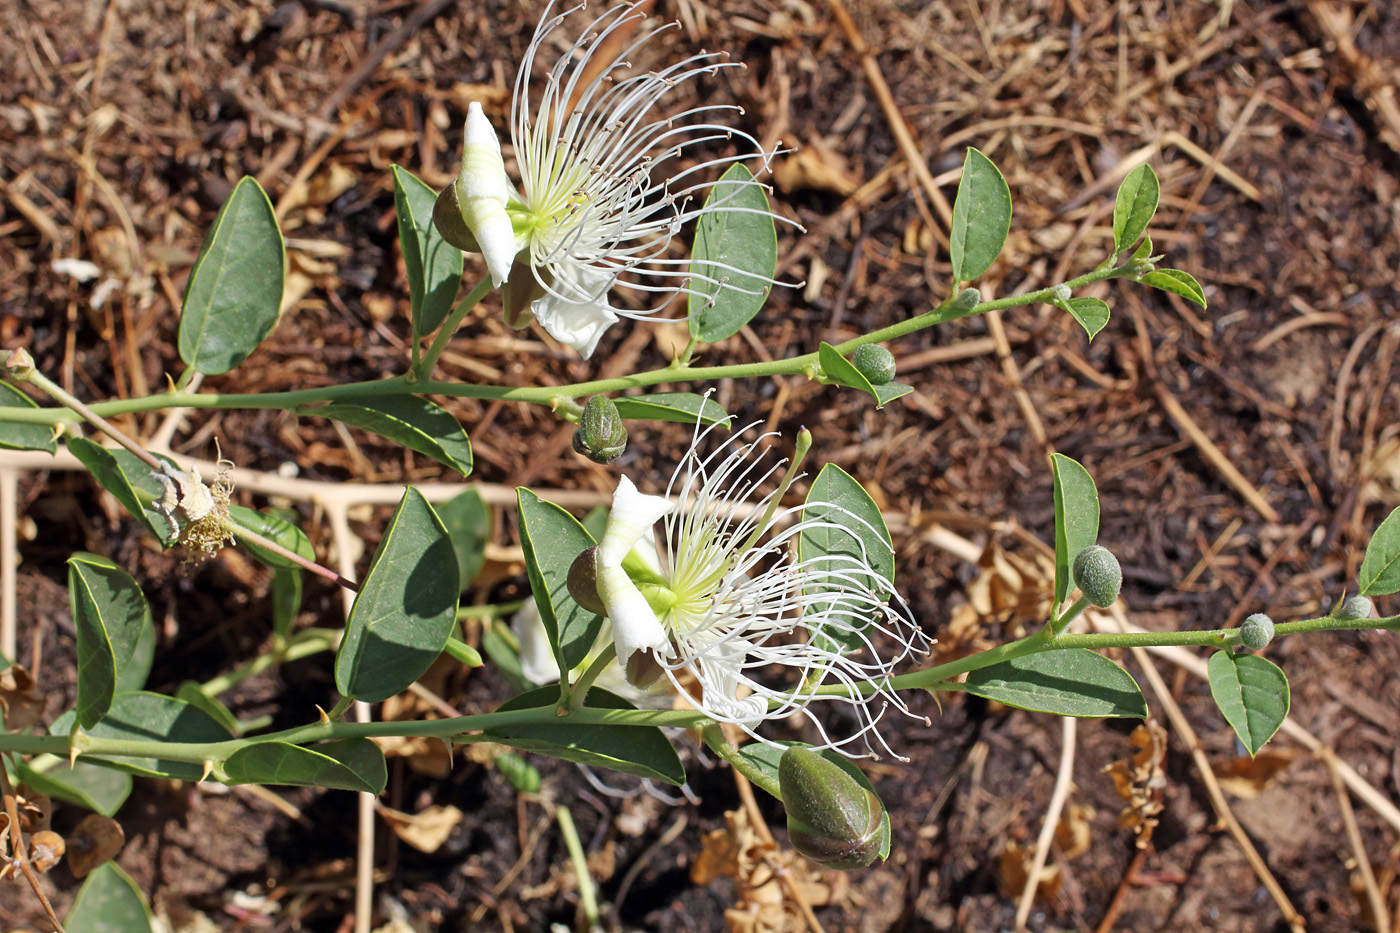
x=767, y=757
x=433, y=265
x=405, y=609
x=735, y=244
x=276, y=529
x=1252, y=693
x=643, y=751
x=17, y=436
x=552, y=539
x=596, y=522
x=1137, y=202
x=1076, y=518
x=108, y=902
x=468, y=524
x=1380, y=568
x=190, y=692
x=853, y=535
x=981, y=217
x=1176, y=282
x=350, y=764
x=1067, y=682
x=235, y=288
x=150, y=717
x=684, y=407
x=132, y=675
x=109, y=613
x=102, y=790
x=889, y=392
x=1091, y=313
x=285, y=593
x=122, y=476
x=407, y=420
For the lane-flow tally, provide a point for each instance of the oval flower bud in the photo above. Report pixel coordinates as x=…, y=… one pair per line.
x=831, y=818
x=1097, y=574
x=875, y=363
x=447, y=217
x=601, y=435
x=582, y=580
x=1257, y=631
x=1358, y=607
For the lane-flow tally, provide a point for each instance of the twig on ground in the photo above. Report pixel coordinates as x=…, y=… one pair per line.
x=1064, y=780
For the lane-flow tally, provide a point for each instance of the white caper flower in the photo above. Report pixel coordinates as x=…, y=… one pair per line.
x=601, y=194
x=730, y=601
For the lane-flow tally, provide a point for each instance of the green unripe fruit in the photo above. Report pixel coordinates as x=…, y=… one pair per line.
x=831, y=819
x=447, y=217
x=1358, y=607
x=875, y=363
x=601, y=435
x=1257, y=631
x=1097, y=574
x=582, y=580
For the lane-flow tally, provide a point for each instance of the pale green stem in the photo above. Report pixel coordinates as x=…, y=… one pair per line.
x=1061, y=622
x=424, y=367
x=714, y=738
x=579, y=691
x=587, y=898
x=303, y=644
x=540, y=395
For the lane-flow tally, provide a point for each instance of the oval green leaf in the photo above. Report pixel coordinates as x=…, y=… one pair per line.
x=981, y=217
x=235, y=289
x=643, y=751
x=1252, y=693
x=109, y=614
x=734, y=259
x=683, y=407
x=1076, y=518
x=1178, y=283
x=433, y=266
x=1380, y=568
x=276, y=529
x=350, y=764
x=108, y=902
x=121, y=474
x=405, y=609
x=766, y=758
x=852, y=533
x=468, y=524
x=1067, y=682
x=192, y=693
x=101, y=790
x=1091, y=313
x=552, y=539
x=15, y=435
x=409, y=421
x=150, y=717
x=1136, y=203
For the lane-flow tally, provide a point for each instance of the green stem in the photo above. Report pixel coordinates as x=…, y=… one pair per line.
x=1061, y=622
x=539, y=395
x=423, y=368
x=714, y=738
x=587, y=899
x=303, y=644
x=579, y=692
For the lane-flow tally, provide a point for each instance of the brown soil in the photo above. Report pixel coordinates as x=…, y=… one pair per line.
x=125, y=124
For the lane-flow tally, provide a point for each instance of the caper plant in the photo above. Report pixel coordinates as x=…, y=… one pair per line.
x=751, y=606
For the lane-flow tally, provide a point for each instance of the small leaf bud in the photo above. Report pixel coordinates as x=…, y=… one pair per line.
x=1097, y=574
x=1063, y=292
x=831, y=819
x=1358, y=607
x=1257, y=631
x=601, y=435
x=582, y=580
x=967, y=299
x=875, y=363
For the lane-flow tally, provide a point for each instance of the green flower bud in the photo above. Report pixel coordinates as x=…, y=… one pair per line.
x=601, y=435
x=1257, y=631
x=875, y=363
x=1358, y=607
x=582, y=580
x=1097, y=574
x=831, y=819
x=447, y=217
x=967, y=299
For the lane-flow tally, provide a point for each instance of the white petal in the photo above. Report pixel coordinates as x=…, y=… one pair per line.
x=483, y=173
x=635, y=626
x=537, y=662
x=720, y=675
x=575, y=310
x=490, y=224
x=633, y=513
